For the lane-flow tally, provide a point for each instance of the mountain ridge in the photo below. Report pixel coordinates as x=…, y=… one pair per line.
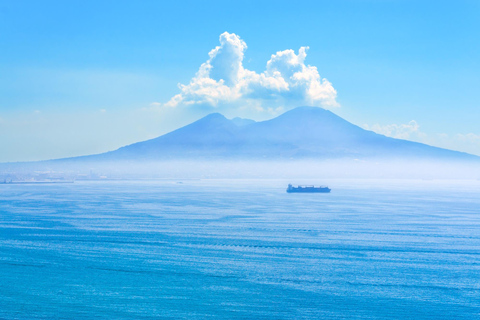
x=300, y=133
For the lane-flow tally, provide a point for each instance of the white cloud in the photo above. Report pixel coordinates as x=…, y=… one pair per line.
x=466, y=142
x=469, y=142
x=399, y=131
x=222, y=81
x=469, y=137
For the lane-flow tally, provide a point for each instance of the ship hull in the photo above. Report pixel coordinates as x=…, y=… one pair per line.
x=308, y=190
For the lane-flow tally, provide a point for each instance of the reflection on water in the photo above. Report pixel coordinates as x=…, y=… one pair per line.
x=240, y=249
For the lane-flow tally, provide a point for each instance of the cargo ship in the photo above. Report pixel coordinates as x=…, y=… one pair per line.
x=307, y=189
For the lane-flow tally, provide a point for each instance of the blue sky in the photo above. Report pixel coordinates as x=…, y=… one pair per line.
x=81, y=77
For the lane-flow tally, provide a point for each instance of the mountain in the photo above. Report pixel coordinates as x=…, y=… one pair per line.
x=301, y=133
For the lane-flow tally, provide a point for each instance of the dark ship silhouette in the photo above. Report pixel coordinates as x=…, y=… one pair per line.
x=307, y=189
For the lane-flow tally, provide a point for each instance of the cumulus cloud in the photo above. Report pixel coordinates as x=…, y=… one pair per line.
x=469, y=137
x=469, y=142
x=399, y=131
x=286, y=82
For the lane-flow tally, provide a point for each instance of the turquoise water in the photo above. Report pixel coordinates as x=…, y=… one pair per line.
x=240, y=249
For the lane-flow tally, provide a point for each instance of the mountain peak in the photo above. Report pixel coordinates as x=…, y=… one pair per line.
x=308, y=112
x=240, y=122
x=212, y=117
x=304, y=132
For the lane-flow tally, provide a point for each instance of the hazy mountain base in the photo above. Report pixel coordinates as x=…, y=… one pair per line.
x=298, y=134
x=189, y=169
x=304, y=142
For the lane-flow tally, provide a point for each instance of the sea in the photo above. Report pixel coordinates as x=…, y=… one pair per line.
x=240, y=249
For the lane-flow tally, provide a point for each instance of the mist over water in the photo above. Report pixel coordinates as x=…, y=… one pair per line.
x=240, y=248
x=243, y=169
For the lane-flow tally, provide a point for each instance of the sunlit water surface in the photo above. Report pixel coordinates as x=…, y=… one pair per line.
x=240, y=249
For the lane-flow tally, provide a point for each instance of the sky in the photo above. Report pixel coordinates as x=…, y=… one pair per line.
x=84, y=77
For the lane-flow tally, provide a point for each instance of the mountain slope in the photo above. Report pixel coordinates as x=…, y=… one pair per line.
x=304, y=132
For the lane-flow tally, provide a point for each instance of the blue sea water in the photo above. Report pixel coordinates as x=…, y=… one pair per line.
x=240, y=249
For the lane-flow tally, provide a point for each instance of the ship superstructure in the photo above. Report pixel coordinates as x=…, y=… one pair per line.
x=308, y=189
